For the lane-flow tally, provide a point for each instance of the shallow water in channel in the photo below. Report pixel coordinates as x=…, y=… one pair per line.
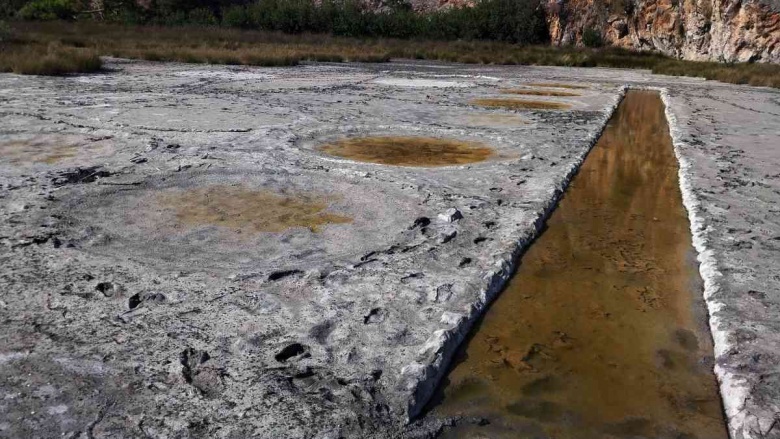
x=601, y=333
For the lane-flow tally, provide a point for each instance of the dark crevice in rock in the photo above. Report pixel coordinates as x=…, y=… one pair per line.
x=290, y=351
x=80, y=175
x=191, y=359
x=276, y=275
x=376, y=315
x=420, y=222
x=137, y=299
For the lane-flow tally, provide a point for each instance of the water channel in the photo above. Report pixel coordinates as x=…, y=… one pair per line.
x=602, y=331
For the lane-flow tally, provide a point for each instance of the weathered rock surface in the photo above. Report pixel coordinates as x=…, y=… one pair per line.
x=118, y=318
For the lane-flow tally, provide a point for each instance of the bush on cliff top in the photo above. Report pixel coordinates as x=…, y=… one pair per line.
x=49, y=10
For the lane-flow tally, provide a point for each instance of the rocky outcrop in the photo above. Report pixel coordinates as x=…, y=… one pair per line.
x=700, y=30
x=715, y=30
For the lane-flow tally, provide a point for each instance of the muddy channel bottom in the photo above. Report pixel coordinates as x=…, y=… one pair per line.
x=601, y=333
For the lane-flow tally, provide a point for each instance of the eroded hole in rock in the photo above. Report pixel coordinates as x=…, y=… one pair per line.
x=421, y=222
x=191, y=359
x=602, y=330
x=529, y=92
x=80, y=175
x=409, y=151
x=134, y=301
x=376, y=315
x=200, y=371
x=246, y=210
x=109, y=289
x=137, y=299
x=290, y=351
x=276, y=275
x=520, y=104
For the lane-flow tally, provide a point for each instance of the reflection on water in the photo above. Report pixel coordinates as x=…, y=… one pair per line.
x=601, y=331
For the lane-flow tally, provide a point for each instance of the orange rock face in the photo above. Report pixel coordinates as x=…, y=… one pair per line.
x=716, y=30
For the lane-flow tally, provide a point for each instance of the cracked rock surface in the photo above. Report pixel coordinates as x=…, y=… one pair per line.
x=140, y=296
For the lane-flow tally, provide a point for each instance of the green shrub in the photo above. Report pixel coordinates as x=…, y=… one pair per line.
x=235, y=16
x=48, y=10
x=9, y=8
x=592, y=38
x=5, y=32
x=201, y=16
x=120, y=11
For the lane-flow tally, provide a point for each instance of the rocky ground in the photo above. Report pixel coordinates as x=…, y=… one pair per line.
x=125, y=313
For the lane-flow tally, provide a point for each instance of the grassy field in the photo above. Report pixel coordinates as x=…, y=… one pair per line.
x=56, y=48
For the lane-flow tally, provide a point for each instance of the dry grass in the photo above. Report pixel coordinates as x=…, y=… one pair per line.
x=527, y=92
x=82, y=41
x=47, y=59
x=517, y=104
x=202, y=45
x=767, y=75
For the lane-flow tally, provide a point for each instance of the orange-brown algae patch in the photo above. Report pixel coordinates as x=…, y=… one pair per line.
x=528, y=92
x=245, y=210
x=37, y=151
x=518, y=104
x=557, y=85
x=494, y=120
x=409, y=151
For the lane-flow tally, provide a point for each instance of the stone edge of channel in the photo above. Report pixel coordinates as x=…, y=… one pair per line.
x=733, y=389
x=418, y=380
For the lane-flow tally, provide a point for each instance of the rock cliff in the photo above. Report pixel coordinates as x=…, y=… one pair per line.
x=716, y=30
x=701, y=30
